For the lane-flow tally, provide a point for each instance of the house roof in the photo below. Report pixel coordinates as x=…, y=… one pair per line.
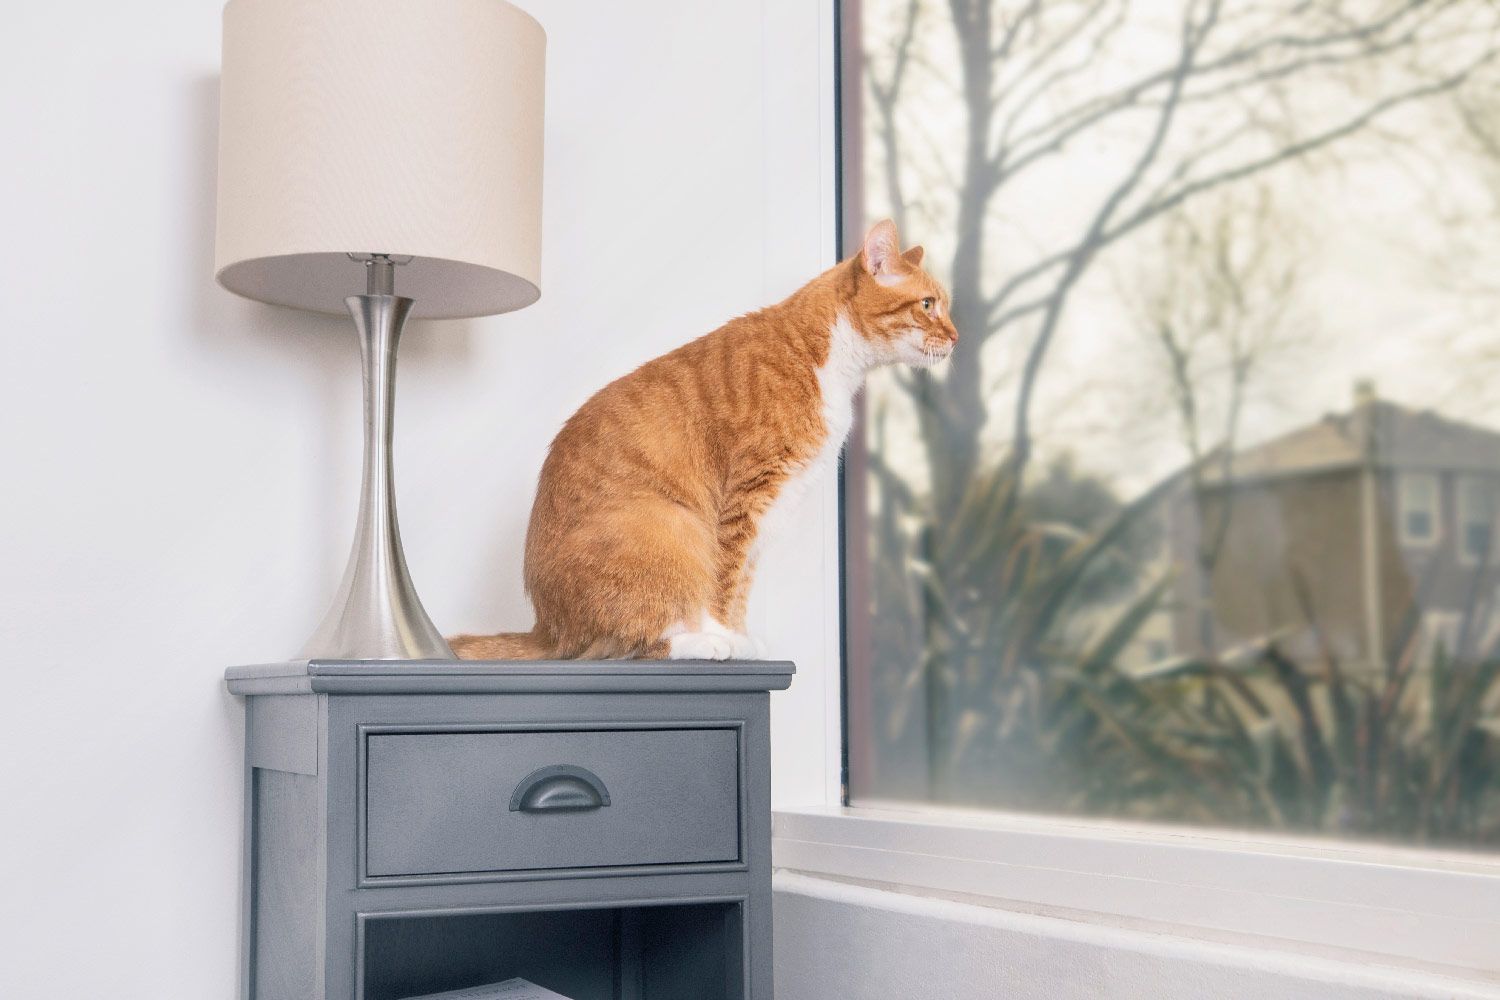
x=1393, y=435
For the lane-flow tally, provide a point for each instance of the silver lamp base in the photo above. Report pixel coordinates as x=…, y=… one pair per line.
x=377, y=614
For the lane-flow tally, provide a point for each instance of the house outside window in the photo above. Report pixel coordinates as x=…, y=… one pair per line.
x=1420, y=512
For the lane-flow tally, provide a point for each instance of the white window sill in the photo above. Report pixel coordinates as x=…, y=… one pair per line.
x=1395, y=906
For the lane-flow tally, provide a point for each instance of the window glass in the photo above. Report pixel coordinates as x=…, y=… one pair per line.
x=1165, y=539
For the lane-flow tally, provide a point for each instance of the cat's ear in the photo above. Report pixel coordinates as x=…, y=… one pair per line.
x=913, y=256
x=882, y=247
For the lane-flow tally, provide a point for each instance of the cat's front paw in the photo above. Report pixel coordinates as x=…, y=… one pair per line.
x=747, y=647
x=741, y=646
x=700, y=646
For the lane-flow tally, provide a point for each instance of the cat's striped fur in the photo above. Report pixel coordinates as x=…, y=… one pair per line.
x=659, y=491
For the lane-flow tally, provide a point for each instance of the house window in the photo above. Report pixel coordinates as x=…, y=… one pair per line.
x=1476, y=518
x=1419, y=510
x=1115, y=558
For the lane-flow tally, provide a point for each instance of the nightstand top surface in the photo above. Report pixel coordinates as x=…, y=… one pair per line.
x=507, y=676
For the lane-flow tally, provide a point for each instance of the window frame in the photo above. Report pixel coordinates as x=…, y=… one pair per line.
x=1362, y=902
x=1408, y=907
x=1404, y=484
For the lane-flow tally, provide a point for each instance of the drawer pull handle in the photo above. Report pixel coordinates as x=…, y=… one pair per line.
x=559, y=788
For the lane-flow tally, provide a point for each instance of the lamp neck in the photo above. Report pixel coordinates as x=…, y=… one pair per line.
x=380, y=275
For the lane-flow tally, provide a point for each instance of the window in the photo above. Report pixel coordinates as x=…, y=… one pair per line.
x=1419, y=512
x=1476, y=518
x=1127, y=555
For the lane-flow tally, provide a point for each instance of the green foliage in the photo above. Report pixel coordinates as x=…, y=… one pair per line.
x=1008, y=648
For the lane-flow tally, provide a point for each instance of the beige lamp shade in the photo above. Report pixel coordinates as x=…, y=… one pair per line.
x=405, y=127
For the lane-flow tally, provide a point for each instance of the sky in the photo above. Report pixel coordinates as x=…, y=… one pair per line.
x=1381, y=240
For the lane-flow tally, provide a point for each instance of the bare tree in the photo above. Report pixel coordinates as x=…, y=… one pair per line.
x=1472, y=227
x=981, y=114
x=1198, y=95
x=1216, y=302
x=1054, y=140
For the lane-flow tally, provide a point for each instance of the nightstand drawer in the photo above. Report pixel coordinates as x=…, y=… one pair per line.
x=460, y=802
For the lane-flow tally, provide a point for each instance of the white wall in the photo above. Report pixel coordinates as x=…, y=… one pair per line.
x=180, y=466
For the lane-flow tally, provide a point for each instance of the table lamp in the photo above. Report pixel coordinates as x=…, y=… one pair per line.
x=389, y=145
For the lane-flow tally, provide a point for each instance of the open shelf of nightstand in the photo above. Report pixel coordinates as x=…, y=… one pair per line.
x=685, y=951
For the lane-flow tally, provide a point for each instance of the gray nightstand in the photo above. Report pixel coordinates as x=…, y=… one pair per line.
x=602, y=829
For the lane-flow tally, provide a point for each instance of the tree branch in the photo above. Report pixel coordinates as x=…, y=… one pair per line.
x=885, y=98
x=1193, y=38
x=1169, y=196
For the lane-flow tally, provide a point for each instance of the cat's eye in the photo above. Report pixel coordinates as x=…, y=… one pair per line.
x=927, y=305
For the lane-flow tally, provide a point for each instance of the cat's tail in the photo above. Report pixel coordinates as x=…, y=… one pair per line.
x=505, y=646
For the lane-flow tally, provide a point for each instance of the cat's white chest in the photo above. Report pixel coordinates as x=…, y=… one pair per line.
x=839, y=381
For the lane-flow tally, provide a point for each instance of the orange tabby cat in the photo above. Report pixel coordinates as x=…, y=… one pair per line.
x=657, y=494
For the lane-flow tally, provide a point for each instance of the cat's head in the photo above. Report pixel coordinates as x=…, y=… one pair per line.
x=899, y=309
